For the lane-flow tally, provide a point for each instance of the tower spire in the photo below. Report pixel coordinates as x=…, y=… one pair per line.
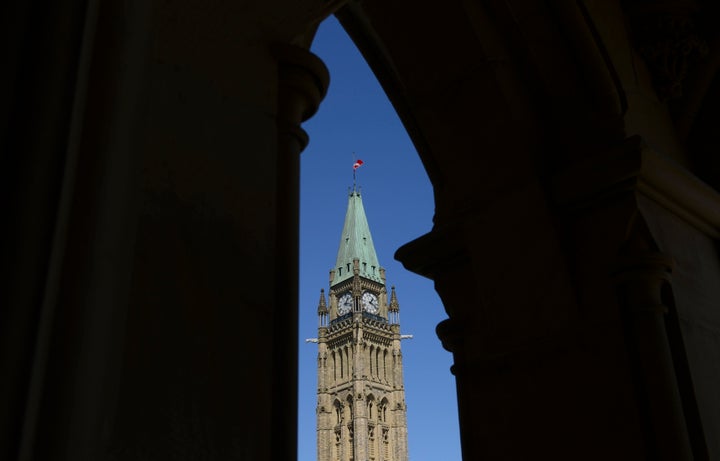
x=322, y=306
x=356, y=243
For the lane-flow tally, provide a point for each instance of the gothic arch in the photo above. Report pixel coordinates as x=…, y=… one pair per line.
x=385, y=364
x=338, y=411
x=370, y=360
x=371, y=406
x=156, y=211
x=335, y=366
x=382, y=410
x=349, y=407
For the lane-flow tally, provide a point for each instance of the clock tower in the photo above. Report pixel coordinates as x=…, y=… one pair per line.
x=361, y=412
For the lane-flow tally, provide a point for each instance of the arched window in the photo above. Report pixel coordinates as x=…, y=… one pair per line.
x=385, y=353
x=347, y=362
x=386, y=444
x=382, y=410
x=338, y=440
x=338, y=411
x=370, y=356
x=377, y=368
x=371, y=409
x=349, y=409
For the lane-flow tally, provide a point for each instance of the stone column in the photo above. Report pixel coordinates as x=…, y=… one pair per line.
x=325, y=413
x=71, y=222
x=398, y=408
x=359, y=369
x=641, y=279
x=442, y=257
x=303, y=81
x=210, y=364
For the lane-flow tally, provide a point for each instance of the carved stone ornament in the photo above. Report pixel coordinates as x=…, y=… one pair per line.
x=666, y=37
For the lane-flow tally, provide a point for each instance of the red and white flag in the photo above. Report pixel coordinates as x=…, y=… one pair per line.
x=357, y=164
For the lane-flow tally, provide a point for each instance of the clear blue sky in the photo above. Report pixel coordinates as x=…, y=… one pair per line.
x=357, y=117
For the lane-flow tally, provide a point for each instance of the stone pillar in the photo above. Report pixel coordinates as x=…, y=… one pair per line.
x=360, y=424
x=641, y=278
x=303, y=81
x=325, y=410
x=398, y=408
x=359, y=369
x=210, y=364
x=441, y=257
x=543, y=346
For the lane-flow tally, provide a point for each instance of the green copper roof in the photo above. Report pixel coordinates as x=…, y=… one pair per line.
x=356, y=242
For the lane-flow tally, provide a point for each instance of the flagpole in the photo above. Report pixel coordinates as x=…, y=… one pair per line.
x=356, y=164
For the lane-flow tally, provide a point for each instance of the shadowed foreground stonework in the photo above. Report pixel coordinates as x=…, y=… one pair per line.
x=149, y=189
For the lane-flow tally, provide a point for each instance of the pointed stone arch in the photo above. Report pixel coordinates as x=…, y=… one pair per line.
x=383, y=409
x=338, y=411
x=519, y=115
x=371, y=406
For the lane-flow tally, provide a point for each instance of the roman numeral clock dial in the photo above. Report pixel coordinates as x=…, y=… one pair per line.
x=345, y=304
x=370, y=303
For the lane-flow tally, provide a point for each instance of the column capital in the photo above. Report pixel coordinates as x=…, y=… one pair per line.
x=647, y=266
x=633, y=166
x=303, y=80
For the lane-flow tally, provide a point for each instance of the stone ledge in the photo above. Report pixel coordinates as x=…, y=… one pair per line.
x=635, y=166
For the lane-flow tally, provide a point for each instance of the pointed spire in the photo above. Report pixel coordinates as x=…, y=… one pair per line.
x=322, y=306
x=394, y=308
x=394, y=304
x=356, y=243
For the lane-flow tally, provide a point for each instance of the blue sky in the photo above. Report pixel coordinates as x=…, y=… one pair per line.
x=357, y=117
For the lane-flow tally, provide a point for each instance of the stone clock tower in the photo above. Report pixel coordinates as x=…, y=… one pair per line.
x=361, y=413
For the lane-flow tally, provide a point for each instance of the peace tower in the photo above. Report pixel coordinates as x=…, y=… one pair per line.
x=361, y=412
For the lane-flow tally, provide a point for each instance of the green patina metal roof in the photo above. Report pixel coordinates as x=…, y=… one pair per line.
x=356, y=242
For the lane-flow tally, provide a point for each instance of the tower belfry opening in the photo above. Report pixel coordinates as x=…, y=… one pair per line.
x=361, y=412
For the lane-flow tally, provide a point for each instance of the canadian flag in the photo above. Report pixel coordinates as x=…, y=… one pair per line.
x=357, y=164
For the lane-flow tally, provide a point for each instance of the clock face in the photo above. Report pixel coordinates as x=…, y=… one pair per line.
x=345, y=304
x=370, y=303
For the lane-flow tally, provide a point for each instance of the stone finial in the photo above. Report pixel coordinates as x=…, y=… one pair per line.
x=322, y=306
x=394, y=304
